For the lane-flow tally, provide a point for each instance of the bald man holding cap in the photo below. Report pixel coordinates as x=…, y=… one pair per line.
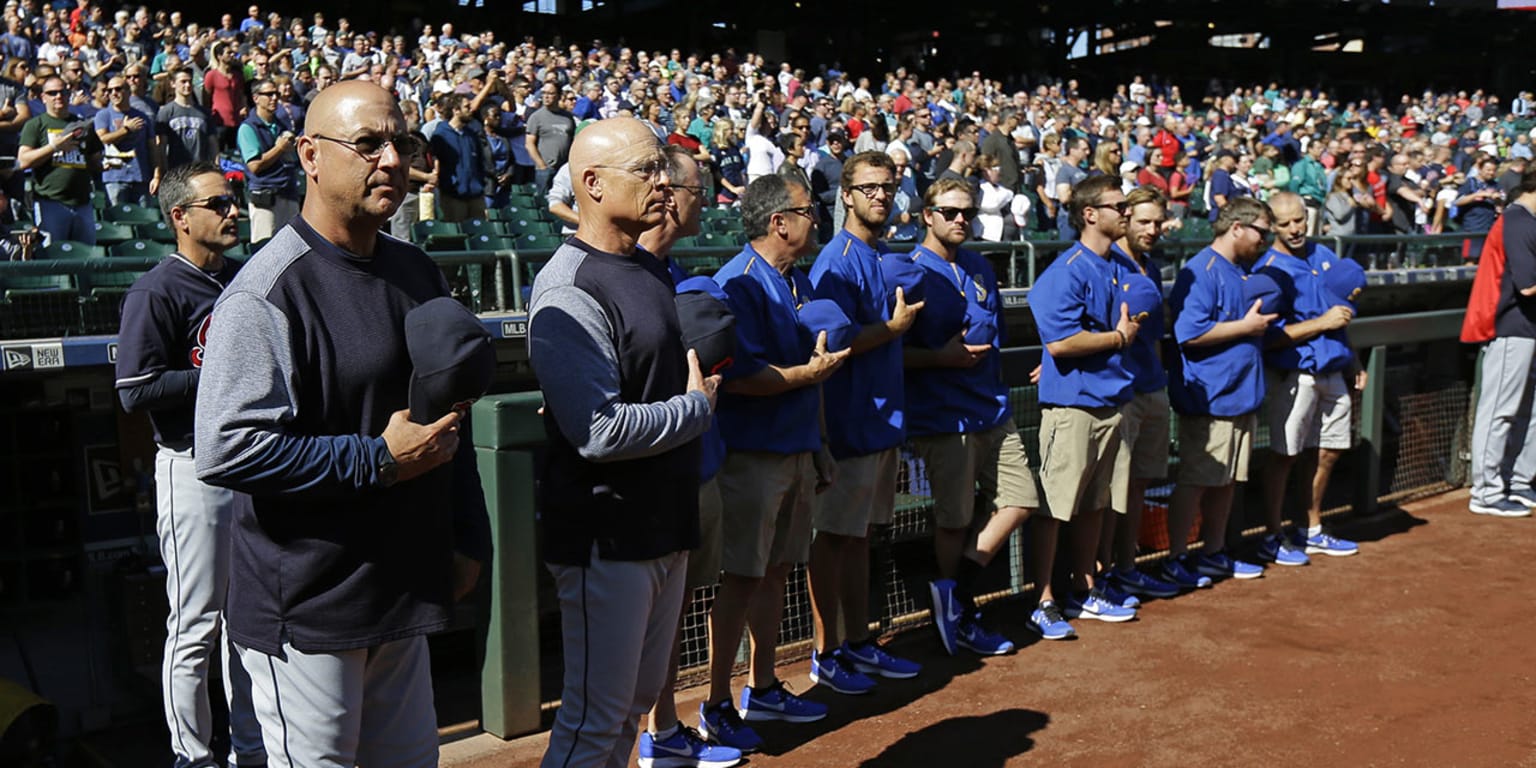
x=355, y=528
x=625, y=406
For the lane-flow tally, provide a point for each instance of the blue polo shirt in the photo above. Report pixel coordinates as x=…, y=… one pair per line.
x=766, y=305
x=865, y=399
x=960, y=400
x=1304, y=293
x=1147, y=372
x=1076, y=293
x=1225, y=379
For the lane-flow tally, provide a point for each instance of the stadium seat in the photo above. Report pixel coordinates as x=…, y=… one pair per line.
x=69, y=249
x=436, y=235
x=525, y=201
x=524, y=190
x=686, y=242
x=475, y=227
x=720, y=239
x=158, y=231
x=128, y=213
x=153, y=249
x=109, y=233
x=525, y=226
x=490, y=242
x=516, y=212
x=539, y=242
x=725, y=226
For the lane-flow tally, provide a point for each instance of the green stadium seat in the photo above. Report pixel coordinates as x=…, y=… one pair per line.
x=110, y=233
x=526, y=212
x=524, y=190
x=129, y=213
x=727, y=226
x=484, y=242
x=475, y=227
x=539, y=242
x=525, y=201
x=69, y=249
x=157, y=231
x=438, y=235
x=524, y=226
x=152, y=249
x=686, y=242
x=720, y=240
x=715, y=214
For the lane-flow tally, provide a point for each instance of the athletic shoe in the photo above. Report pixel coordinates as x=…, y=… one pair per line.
x=1176, y=570
x=1093, y=605
x=1048, y=621
x=834, y=671
x=1277, y=549
x=1323, y=544
x=1524, y=495
x=946, y=612
x=1501, y=508
x=684, y=749
x=722, y=725
x=974, y=637
x=1220, y=565
x=777, y=703
x=1145, y=584
x=871, y=659
x=1116, y=595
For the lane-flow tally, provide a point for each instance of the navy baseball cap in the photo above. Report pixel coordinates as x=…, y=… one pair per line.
x=1142, y=297
x=452, y=356
x=1345, y=279
x=708, y=326
x=819, y=315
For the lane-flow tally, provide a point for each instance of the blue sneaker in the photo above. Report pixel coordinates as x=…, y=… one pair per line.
x=1116, y=595
x=684, y=749
x=974, y=637
x=1220, y=565
x=1177, y=571
x=777, y=703
x=834, y=671
x=1523, y=494
x=722, y=725
x=1048, y=621
x=1323, y=544
x=1145, y=584
x=1278, y=549
x=946, y=612
x=869, y=658
x=1093, y=605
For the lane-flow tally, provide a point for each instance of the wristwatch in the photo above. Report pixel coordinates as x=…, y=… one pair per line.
x=388, y=470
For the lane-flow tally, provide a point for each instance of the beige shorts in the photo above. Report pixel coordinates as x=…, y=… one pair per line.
x=1143, y=444
x=766, y=514
x=1307, y=410
x=1214, y=450
x=864, y=494
x=704, y=562
x=1078, y=447
x=956, y=463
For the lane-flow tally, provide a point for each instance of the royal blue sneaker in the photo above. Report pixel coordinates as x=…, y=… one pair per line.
x=1116, y=595
x=684, y=749
x=946, y=612
x=722, y=725
x=1177, y=571
x=974, y=637
x=1221, y=566
x=869, y=658
x=834, y=671
x=1093, y=605
x=777, y=703
x=1323, y=544
x=1145, y=584
x=1048, y=621
x=1278, y=549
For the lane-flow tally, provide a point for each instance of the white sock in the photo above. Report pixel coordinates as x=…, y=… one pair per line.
x=1315, y=530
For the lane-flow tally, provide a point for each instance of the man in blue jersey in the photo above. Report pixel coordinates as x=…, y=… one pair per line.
x=961, y=426
x=159, y=360
x=1086, y=328
x=355, y=527
x=865, y=430
x=770, y=417
x=1310, y=368
x=1144, y=420
x=1218, y=392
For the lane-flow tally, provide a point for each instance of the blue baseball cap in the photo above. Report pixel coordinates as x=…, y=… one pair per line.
x=709, y=328
x=1345, y=279
x=901, y=272
x=1264, y=288
x=452, y=355
x=819, y=315
x=1142, y=297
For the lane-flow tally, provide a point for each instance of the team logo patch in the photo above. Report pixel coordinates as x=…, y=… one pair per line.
x=981, y=289
x=201, y=341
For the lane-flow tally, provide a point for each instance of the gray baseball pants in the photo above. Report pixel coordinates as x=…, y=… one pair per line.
x=1503, y=432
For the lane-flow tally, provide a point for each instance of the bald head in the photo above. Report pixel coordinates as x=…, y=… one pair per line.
x=336, y=109
x=602, y=141
x=620, y=176
x=1289, y=202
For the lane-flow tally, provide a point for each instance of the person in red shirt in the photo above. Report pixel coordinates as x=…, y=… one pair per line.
x=1167, y=141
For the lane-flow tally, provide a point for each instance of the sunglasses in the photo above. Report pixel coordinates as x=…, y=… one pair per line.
x=221, y=205
x=1265, y=233
x=54, y=92
x=948, y=213
x=1120, y=207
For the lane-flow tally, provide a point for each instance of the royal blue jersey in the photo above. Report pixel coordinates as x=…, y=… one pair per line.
x=164, y=327
x=959, y=400
x=1076, y=293
x=865, y=399
x=1223, y=379
x=1304, y=293
x=1147, y=372
x=766, y=304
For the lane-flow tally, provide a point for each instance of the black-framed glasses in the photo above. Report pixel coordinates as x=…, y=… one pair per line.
x=220, y=205
x=54, y=92
x=808, y=211
x=948, y=213
x=1121, y=207
x=265, y=93
x=116, y=88
x=696, y=189
x=371, y=148
x=1265, y=233
x=869, y=190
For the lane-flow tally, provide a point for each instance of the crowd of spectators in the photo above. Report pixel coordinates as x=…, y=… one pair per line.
x=158, y=90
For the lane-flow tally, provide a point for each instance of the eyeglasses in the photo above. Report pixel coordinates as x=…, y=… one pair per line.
x=220, y=205
x=116, y=88
x=1120, y=207
x=54, y=92
x=697, y=189
x=869, y=190
x=371, y=148
x=804, y=210
x=265, y=93
x=948, y=213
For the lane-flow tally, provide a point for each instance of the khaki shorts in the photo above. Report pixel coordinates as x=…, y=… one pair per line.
x=956, y=463
x=1078, y=447
x=1307, y=410
x=864, y=494
x=704, y=562
x=1214, y=450
x=1143, y=444
x=766, y=517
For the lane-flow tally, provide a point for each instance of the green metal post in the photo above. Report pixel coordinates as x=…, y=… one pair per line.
x=1372, y=401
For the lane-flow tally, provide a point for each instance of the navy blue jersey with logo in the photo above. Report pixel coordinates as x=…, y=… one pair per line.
x=164, y=327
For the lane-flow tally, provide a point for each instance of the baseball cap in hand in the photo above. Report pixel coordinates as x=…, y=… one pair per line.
x=452, y=355
x=708, y=326
x=1345, y=279
x=901, y=273
x=1141, y=296
x=1264, y=288
x=819, y=315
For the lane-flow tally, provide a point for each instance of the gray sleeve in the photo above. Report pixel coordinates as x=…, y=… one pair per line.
x=578, y=370
x=560, y=188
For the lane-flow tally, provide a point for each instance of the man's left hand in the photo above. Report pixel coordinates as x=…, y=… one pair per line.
x=466, y=573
